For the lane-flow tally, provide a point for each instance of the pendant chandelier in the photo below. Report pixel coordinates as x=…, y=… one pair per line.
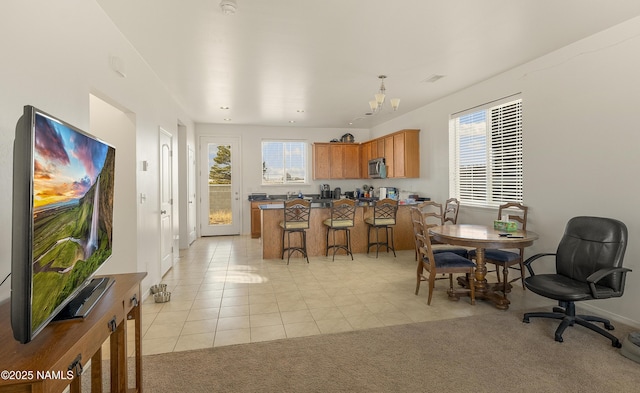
x=378, y=102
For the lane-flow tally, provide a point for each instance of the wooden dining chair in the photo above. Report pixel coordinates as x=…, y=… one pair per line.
x=431, y=213
x=451, y=208
x=508, y=259
x=435, y=263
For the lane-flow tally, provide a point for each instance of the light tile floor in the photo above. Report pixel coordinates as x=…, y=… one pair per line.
x=224, y=293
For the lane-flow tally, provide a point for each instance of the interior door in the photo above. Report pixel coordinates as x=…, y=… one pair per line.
x=166, y=201
x=191, y=194
x=220, y=173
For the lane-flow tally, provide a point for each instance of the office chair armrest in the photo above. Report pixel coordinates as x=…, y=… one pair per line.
x=602, y=273
x=532, y=258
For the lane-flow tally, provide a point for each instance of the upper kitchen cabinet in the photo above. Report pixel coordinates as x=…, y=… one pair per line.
x=336, y=160
x=401, y=152
x=406, y=154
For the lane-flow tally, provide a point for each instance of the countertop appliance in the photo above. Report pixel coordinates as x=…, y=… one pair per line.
x=377, y=168
x=258, y=196
x=325, y=191
x=336, y=193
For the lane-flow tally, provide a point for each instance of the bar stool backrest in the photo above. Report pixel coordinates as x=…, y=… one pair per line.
x=384, y=212
x=296, y=214
x=343, y=213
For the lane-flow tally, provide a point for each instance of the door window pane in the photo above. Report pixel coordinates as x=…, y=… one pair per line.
x=220, y=212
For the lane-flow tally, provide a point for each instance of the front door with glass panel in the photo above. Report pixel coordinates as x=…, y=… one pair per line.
x=220, y=186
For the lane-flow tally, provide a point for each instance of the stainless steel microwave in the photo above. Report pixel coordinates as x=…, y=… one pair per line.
x=377, y=168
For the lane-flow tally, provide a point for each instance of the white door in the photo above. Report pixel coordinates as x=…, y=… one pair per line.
x=220, y=186
x=191, y=195
x=166, y=201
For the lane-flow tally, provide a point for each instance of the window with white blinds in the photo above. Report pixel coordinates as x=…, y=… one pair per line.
x=485, y=154
x=284, y=162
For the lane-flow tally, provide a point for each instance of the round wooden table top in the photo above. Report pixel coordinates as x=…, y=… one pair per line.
x=482, y=236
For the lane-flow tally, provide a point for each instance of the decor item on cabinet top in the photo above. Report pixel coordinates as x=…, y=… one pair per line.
x=347, y=138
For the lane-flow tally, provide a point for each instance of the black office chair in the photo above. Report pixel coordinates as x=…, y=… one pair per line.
x=588, y=266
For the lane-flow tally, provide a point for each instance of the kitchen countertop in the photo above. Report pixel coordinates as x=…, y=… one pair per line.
x=324, y=203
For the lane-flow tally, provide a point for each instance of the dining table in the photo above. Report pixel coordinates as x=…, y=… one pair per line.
x=482, y=237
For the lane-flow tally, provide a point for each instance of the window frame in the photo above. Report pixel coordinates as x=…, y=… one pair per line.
x=502, y=155
x=283, y=142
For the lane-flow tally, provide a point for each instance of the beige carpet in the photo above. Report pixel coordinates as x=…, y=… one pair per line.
x=496, y=353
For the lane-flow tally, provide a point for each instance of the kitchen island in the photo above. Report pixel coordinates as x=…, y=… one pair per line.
x=273, y=214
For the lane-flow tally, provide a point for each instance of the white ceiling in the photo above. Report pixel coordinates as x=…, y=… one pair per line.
x=276, y=57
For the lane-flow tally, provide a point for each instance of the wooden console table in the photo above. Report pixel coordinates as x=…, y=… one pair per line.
x=54, y=359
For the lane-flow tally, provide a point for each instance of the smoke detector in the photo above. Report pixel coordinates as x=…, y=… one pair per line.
x=228, y=7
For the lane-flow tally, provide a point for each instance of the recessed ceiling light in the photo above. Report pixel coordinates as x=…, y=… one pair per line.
x=227, y=119
x=300, y=111
x=292, y=121
x=224, y=107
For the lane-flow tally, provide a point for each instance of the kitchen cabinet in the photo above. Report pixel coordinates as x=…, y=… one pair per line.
x=336, y=161
x=406, y=154
x=321, y=161
x=256, y=221
x=365, y=156
x=401, y=151
x=381, y=148
x=351, y=167
x=389, y=155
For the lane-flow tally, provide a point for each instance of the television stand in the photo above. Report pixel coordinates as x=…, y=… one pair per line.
x=82, y=304
x=54, y=359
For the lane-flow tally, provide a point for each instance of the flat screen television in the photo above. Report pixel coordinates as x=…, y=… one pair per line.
x=63, y=181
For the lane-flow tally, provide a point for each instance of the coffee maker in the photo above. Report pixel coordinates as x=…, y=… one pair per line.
x=325, y=191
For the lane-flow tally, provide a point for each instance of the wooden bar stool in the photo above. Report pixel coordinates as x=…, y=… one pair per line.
x=384, y=217
x=296, y=220
x=342, y=217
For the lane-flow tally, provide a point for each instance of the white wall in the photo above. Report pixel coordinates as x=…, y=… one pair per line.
x=251, y=147
x=54, y=55
x=581, y=143
x=108, y=122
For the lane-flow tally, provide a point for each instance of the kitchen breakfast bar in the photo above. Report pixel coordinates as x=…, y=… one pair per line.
x=273, y=214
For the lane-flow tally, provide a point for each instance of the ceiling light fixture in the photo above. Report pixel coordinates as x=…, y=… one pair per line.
x=228, y=7
x=377, y=103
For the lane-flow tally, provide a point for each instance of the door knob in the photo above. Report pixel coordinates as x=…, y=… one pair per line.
x=163, y=212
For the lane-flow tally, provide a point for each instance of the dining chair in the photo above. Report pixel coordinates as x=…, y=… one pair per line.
x=508, y=259
x=431, y=213
x=342, y=217
x=588, y=266
x=451, y=208
x=296, y=220
x=435, y=263
x=383, y=218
